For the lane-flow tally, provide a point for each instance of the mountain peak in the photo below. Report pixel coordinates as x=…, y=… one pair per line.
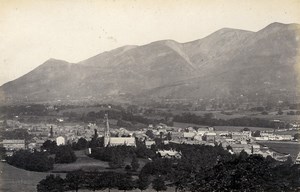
x=54, y=61
x=276, y=26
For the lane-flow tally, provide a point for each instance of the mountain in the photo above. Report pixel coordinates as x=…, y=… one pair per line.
x=226, y=64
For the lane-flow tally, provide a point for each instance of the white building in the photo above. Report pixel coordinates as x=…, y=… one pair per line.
x=13, y=144
x=60, y=140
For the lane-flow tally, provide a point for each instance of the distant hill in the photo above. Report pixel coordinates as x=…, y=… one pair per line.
x=227, y=63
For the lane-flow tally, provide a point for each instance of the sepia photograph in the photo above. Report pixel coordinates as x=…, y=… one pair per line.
x=149, y=95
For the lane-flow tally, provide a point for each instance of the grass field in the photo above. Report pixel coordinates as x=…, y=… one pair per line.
x=83, y=162
x=13, y=179
x=292, y=148
x=86, y=163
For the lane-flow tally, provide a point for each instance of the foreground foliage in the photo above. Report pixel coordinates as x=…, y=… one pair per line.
x=36, y=161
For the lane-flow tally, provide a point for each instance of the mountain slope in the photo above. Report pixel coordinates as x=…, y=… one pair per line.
x=227, y=63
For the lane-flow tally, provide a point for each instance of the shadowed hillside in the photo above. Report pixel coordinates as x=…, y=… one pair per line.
x=227, y=63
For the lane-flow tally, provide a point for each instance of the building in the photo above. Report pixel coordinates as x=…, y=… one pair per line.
x=189, y=135
x=210, y=137
x=128, y=141
x=240, y=136
x=149, y=144
x=13, y=144
x=60, y=140
x=115, y=141
x=169, y=154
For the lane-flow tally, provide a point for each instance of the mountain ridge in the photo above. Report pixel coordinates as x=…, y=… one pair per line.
x=226, y=63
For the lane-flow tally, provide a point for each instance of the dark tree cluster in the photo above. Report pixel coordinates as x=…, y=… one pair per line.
x=116, y=155
x=92, y=181
x=247, y=173
x=65, y=154
x=36, y=161
x=17, y=110
x=81, y=144
x=207, y=168
x=49, y=146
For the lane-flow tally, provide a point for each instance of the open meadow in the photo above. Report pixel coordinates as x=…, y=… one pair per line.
x=13, y=179
x=292, y=148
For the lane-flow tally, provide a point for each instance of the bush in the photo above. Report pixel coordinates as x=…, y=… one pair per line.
x=65, y=154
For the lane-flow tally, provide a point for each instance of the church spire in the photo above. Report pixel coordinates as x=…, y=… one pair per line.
x=106, y=131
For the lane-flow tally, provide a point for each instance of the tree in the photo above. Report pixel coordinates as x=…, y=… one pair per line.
x=229, y=148
x=135, y=163
x=246, y=129
x=150, y=134
x=169, y=136
x=65, y=154
x=142, y=182
x=36, y=161
x=159, y=184
x=125, y=182
x=243, y=155
x=109, y=180
x=51, y=184
x=2, y=153
x=256, y=133
x=82, y=143
x=94, y=181
x=127, y=168
x=279, y=112
x=289, y=161
x=117, y=160
x=49, y=146
x=74, y=180
x=297, y=136
x=96, y=142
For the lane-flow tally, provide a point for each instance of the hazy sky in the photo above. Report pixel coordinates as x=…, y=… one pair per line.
x=32, y=31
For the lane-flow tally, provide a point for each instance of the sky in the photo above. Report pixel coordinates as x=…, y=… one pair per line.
x=32, y=31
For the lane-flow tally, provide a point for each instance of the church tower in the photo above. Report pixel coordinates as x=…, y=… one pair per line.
x=106, y=131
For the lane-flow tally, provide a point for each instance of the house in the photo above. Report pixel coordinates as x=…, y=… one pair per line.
x=239, y=136
x=237, y=148
x=128, y=141
x=149, y=144
x=198, y=137
x=169, y=154
x=210, y=137
x=189, y=135
x=60, y=140
x=13, y=144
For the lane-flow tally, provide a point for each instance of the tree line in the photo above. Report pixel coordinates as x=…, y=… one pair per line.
x=200, y=168
x=97, y=181
x=208, y=168
x=42, y=161
x=210, y=121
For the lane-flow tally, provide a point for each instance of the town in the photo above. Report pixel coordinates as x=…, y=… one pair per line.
x=93, y=131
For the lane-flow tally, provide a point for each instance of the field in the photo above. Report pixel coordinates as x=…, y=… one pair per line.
x=251, y=114
x=86, y=163
x=13, y=179
x=83, y=162
x=292, y=148
x=222, y=128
